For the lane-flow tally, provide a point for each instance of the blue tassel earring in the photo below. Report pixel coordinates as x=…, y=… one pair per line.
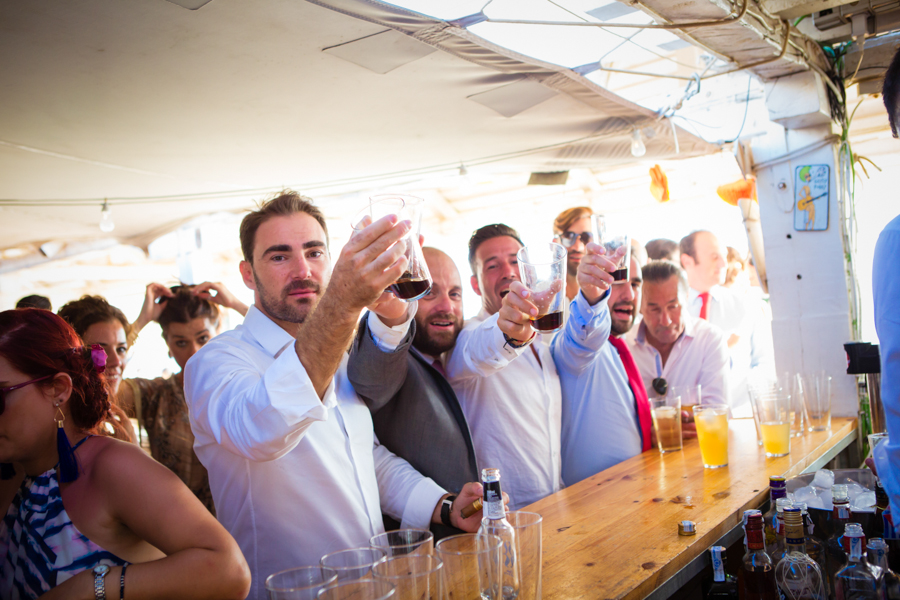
x=7, y=471
x=68, y=464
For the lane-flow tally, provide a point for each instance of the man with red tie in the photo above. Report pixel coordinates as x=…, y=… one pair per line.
x=605, y=411
x=740, y=317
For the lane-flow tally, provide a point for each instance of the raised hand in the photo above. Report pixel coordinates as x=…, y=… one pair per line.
x=516, y=312
x=594, y=273
x=155, y=298
x=222, y=296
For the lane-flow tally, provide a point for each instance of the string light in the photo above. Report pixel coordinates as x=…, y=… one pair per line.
x=637, y=143
x=106, y=220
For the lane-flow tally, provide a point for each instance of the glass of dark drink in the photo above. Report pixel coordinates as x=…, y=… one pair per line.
x=612, y=239
x=543, y=271
x=416, y=280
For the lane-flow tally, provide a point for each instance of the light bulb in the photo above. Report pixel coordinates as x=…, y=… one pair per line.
x=637, y=143
x=463, y=171
x=106, y=220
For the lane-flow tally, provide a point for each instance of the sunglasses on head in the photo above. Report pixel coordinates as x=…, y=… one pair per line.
x=4, y=391
x=568, y=238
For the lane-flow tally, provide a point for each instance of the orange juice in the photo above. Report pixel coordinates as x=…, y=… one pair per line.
x=776, y=438
x=712, y=433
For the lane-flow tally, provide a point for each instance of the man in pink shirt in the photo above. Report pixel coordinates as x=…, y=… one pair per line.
x=672, y=345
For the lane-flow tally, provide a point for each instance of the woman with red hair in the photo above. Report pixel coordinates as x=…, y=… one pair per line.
x=81, y=508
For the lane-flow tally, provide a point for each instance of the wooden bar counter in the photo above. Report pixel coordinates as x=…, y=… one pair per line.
x=615, y=535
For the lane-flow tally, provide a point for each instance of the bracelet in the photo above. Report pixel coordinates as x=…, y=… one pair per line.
x=122, y=582
x=515, y=344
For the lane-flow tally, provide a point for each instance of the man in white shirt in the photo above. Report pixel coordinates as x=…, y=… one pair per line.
x=294, y=466
x=672, y=345
x=741, y=318
x=505, y=378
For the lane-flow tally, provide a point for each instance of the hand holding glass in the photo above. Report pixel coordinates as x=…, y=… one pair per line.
x=543, y=271
x=612, y=239
x=416, y=280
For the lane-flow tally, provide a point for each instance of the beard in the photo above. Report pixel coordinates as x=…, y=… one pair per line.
x=620, y=327
x=282, y=306
x=436, y=345
x=572, y=268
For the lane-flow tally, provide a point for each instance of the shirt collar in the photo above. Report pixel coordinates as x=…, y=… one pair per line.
x=689, y=326
x=715, y=292
x=268, y=333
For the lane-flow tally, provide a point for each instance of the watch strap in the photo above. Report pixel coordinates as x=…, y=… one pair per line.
x=516, y=344
x=446, y=504
x=100, y=573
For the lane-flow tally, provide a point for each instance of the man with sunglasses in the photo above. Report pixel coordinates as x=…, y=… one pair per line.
x=572, y=229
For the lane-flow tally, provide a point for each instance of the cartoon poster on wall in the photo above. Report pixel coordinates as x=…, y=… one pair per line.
x=811, y=186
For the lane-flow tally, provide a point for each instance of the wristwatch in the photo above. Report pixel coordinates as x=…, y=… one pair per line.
x=100, y=571
x=516, y=344
x=446, y=504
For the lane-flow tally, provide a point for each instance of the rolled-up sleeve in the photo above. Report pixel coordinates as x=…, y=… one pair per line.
x=587, y=328
x=260, y=415
x=406, y=495
x=481, y=350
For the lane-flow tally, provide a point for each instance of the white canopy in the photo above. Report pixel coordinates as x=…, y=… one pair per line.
x=171, y=113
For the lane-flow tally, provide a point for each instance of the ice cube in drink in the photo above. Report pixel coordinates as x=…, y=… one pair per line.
x=667, y=421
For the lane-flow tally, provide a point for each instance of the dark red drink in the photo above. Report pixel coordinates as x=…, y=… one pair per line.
x=409, y=289
x=548, y=322
x=620, y=275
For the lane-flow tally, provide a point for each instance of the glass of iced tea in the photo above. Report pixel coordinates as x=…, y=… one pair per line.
x=543, y=271
x=416, y=280
x=666, y=411
x=611, y=239
x=712, y=433
x=775, y=422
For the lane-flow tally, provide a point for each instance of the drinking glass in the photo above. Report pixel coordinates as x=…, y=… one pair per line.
x=471, y=566
x=302, y=583
x=529, y=552
x=818, y=400
x=366, y=589
x=612, y=239
x=666, y=411
x=404, y=541
x=792, y=384
x=690, y=394
x=353, y=563
x=414, y=576
x=416, y=280
x=543, y=271
x=712, y=433
x=775, y=422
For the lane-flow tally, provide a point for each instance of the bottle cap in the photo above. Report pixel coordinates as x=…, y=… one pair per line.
x=782, y=503
x=687, y=528
x=490, y=474
x=877, y=544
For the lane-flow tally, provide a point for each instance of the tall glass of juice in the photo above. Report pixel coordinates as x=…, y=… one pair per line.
x=712, y=433
x=775, y=422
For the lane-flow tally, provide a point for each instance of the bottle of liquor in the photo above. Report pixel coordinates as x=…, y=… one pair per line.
x=495, y=523
x=777, y=550
x=777, y=489
x=883, y=526
x=835, y=555
x=878, y=553
x=798, y=576
x=858, y=580
x=756, y=579
x=815, y=549
x=722, y=585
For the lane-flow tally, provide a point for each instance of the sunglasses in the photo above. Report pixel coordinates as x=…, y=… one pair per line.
x=568, y=238
x=6, y=390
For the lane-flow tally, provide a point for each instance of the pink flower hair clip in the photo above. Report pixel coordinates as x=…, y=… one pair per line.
x=98, y=357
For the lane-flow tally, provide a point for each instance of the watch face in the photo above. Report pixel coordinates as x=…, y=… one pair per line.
x=101, y=570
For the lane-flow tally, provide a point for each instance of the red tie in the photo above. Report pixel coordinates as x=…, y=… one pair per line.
x=637, y=388
x=705, y=297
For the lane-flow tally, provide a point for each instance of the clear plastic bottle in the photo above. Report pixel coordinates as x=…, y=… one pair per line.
x=494, y=522
x=835, y=555
x=878, y=553
x=858, y=580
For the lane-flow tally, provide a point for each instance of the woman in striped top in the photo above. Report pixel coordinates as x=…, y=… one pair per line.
x=113, y=506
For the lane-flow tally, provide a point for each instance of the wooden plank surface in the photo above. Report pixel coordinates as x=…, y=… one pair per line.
x=615, y=535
